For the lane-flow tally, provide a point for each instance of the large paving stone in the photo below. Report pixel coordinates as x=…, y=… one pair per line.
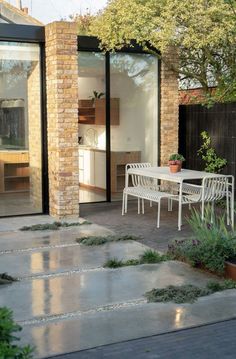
x=84, y=291
x=100, y=328
x=61, y=259
x=16, y=241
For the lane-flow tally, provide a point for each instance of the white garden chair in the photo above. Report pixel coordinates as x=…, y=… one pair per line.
x=211, y=190
x=142, y=188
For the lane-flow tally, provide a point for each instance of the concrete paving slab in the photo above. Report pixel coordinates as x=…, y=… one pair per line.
x=61, y=259
x=17, y=240
x=85, y=291
x=100, y=328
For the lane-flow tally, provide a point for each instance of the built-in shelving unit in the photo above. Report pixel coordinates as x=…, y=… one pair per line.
x=93, y=112
x=14, y=172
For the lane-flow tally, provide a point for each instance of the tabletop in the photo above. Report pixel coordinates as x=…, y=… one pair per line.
x=164, y=173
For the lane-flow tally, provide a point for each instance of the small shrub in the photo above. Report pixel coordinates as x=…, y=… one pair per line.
x=210, y=247
x=187, y=293
x=52, y=226
x=113, y=263
x=7, y=329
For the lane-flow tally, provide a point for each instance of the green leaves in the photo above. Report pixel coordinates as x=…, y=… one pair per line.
x=8, y=327
x=213, y=163
x=202, y=32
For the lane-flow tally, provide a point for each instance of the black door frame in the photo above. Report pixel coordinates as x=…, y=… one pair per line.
x=91, y=44
x=34, y=34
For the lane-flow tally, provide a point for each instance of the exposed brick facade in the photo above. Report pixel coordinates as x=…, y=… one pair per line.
x=62, y=114
x=169, y=108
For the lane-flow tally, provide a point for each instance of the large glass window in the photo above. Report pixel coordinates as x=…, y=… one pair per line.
x=20, y=129
x=134, y=114
x=92, y=127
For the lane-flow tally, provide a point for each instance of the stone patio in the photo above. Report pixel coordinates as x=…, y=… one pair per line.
x=66, y=301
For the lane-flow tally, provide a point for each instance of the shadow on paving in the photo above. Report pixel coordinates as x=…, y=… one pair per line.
x=208, y=341
x=109, y=215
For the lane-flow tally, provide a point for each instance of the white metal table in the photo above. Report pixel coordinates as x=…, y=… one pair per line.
x=163, y=173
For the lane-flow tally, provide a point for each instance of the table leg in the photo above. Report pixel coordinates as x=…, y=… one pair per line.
x=180, y=206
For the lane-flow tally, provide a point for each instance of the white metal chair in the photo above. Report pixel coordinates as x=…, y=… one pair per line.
x=142, y=188
x=211, y=190
x=228, y=194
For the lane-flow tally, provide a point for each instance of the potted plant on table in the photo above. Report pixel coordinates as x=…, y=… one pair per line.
x=175, y=162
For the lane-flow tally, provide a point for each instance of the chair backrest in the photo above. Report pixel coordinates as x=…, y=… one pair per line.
x=139, y=180
x=214, y=188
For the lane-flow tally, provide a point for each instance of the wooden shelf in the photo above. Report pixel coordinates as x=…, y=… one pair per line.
x=14, y=172
x=94, y=112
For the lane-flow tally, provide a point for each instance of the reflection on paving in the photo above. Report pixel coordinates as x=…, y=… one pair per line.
x=66, y=301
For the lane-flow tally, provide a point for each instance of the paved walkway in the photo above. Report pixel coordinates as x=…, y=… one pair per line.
x=66, y=301
x=210, y=341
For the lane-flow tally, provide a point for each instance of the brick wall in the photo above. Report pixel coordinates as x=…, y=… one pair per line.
x=62, y=112
x=169, y=121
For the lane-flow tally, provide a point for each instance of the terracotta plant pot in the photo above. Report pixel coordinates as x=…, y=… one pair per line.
x=174, y=168
x=179, y=164
x=230, y=269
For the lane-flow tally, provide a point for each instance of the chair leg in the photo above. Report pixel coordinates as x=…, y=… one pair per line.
x=232, y=210
x=150, y=203
x=126, y=202
x=138, y=205
x=202, y=210
x=212, y=212
x=170, y=205
x=158, y=213
x=227, y=207
x=123, y=205
x=142, y=206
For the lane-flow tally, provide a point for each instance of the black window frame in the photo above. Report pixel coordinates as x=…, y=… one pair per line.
x=33, y=34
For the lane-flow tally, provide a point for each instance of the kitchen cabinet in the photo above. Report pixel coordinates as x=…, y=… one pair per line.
x=94, y=112
x=92, y=168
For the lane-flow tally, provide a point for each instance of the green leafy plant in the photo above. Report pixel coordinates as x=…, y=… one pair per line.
x=212, y=243
x=187, y=293
x=148, y=257
x=99, y=240
x=176, y=157
x=52, y=226
x=97, y=95
x=7, y=337
x=213, y=163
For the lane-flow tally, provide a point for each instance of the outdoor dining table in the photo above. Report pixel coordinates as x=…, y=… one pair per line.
x=163, y=173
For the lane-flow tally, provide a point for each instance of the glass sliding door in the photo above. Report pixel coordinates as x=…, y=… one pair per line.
x=134, y=114
x=92, y=127
x=20, y=129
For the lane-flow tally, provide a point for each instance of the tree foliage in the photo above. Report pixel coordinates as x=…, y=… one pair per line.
x=203, y=33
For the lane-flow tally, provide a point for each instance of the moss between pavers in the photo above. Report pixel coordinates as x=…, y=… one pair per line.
x=52, y=226
x=6, y=279
x=187, y=293
x=99, y=240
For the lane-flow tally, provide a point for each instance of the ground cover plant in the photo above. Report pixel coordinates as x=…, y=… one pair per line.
x=148, y=257
x=187, y=293
x=99, y=240
x=212, y=243
x=6, y=279
x=52, y=226
x=8, y=328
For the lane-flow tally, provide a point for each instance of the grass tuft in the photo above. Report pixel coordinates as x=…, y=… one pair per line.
x=148, y=257
x=52, y=226
x=187, y=293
